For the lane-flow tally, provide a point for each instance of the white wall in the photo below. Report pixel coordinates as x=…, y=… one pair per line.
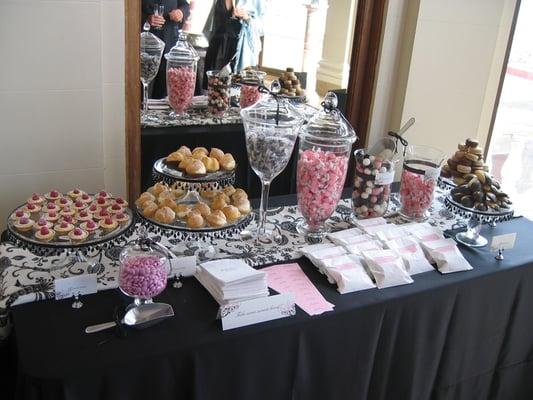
x=61, y=97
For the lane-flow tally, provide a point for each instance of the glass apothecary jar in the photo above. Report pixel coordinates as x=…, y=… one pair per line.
x=144, y=269
x=324, y=151
x=250, y=83
x=151, y=52
x=182, y=62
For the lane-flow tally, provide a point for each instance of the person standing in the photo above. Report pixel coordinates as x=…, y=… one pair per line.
x=164, y=25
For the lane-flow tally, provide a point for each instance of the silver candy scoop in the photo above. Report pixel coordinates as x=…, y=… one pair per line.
x=142, y=315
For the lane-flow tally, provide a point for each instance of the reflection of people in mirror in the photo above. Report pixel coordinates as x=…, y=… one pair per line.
x=235, y=34
x=166, y=18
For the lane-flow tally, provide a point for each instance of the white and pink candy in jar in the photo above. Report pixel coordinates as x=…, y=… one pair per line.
x=143, y=275
x=320, y=181
x=181, y=82
x=249, y=95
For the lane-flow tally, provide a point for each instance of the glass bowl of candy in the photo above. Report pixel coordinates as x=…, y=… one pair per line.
x=374, y=174
x=182, y=61
x=218, y=93
x=324, y=151
x=251, y=81
x=143, y=272
x=421, y=170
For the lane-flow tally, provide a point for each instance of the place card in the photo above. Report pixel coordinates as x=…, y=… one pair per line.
x=183, y=266
x=289, y=278
x=69, y=287
x=503, y=242
x=249, y=312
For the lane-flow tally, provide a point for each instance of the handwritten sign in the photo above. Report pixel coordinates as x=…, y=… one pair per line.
x=503, y=242
x=69, y=287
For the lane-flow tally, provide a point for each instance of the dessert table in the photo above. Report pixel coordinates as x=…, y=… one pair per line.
x=458, y=336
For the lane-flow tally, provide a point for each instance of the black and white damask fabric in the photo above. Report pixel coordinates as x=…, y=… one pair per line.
x=26, y=277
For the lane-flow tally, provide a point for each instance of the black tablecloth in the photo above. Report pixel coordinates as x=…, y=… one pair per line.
x=467, y=335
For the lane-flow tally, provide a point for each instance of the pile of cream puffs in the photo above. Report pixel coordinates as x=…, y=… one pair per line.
x=216, y=209
x=200, y=161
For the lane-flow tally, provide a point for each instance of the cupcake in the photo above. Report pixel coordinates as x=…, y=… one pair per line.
x=75, y=193
x=51, y=216
x=23, y=224
x=63, y=202
x=36, y=198
x=85, y=198
x=69, y=219
x=115, y=208
x=79, y=205
x=84, y=216
x=108, y=224
x=122, y=217
x=104, y=194
x=102, y=202
x=121, y=202
x=52, y=195
x=19, y=214
x=67, y=211
x=102, y=214
x=41, y=223
x=51, y=207
x=32, y=209
x=89, y=226
x=63, y=228
x=78, y=235
x=45, y=234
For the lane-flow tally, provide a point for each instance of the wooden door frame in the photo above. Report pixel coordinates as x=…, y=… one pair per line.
x=365, y=53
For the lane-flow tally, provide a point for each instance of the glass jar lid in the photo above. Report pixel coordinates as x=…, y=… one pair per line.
x=183, y=50
x=329, y=125
x=272, y=110
x=150, y=41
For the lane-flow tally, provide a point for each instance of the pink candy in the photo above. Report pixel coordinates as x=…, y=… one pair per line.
x=416, y=193
x=180, y=87
x=143, y=276
x=249, y=95
x=320, y=180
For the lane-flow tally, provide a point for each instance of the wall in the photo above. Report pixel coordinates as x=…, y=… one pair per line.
x=61, y=97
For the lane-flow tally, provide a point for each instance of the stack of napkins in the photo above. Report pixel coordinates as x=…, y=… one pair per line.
x=231, y=281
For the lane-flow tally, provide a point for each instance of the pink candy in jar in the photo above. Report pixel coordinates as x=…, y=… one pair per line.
x=143, y=276
x=416, y=193
x=320, y=181
x=180, y=87
x=249, y=95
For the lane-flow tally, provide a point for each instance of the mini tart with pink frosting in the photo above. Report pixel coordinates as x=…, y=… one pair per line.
x=69, y=219
x=42, y=222
x=108, y=224
x=52, y=195
x=23, y=224
x=84, y=216
x=51, y=216
x=19, y=214
x=102, y=202
x=115, y=208
x=78, y=235
x=75, y=193
x=32, y=209
x=63, y=202
x=85, y=198
x=122, y=217
x=104, y=194
x=63, y=228
x=51, y=207
x=102, y=214
x=93, y=209
x=68, y=211
x=121, y=202
x=45, y=234
x=79, y=205
x=36, y=198
x=89, y=226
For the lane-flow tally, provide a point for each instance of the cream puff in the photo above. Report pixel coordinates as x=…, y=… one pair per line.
x=63, y=228
x=185, y=150
x=195, y=167
x=216, y=219
x=45, y=234
x=229, y=190
x=232, y=213
x=168, y=202
x=209, y=194
x=89, y=226
x=78, y=235
x=159, y=188
x=218, y=203
x=23, y=224
x=211, y=164
x=149, y=209
x=19, y=214
x=239, y=194
x=175, y=158
x=108, y=224
x=195, y=220
x=182, y=210
x=36, y=198
x=200, y=150
x=216, y=153
x=75, y=193
x=183, y=165
x=227, y=162
x=165, y=215
x=202, y=208
x=144, y=198
x=52, y=195
x=122, y=217
x=243, y=206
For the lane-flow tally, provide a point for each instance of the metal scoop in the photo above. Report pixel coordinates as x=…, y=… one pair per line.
x=140, y=316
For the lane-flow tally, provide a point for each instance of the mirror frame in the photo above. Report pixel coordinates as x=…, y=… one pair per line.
x=365, y=56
